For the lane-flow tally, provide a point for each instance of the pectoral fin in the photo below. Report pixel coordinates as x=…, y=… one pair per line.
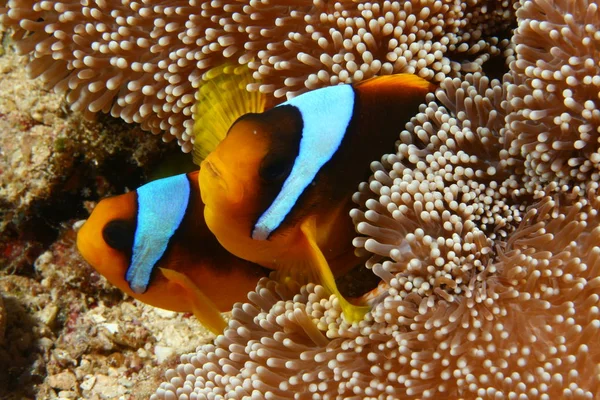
x=335, y=235
x=321, y=271
x=203, y=308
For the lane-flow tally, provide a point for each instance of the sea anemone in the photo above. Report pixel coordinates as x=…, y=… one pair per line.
x=554, y=106
x=489, y=268
x=144, y=60
x=488, y=289
x=435, y=208
x=526, y=326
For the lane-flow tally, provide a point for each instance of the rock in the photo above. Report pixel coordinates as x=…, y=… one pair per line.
x=112, y=328
x=64, y=381
x=48, y=315
x=125, y=382
x=45, y=344
x=67, y=394
x=88, y=384
x=107, y=387
x=162, y=353
x=59, y=320
x=50, y=163
x=165, y=313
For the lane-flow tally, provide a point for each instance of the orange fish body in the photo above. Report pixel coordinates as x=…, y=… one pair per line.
x=277, y=189
x=194, y=273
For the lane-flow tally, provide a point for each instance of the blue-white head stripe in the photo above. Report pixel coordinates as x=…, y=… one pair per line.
x=161, y=207
x=326, y=114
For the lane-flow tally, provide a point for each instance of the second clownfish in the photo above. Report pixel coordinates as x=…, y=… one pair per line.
x=277, y=188
x=153, y=244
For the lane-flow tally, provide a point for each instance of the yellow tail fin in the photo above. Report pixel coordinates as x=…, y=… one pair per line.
x=220, y=101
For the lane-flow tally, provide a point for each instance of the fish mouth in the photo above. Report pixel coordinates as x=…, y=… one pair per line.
x=211, y=177
x=209, y=167
x=219, y=179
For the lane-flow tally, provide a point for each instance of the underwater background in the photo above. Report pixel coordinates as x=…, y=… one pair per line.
x=481, y=223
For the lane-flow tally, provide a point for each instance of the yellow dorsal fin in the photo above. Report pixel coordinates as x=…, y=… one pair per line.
x=220, y=101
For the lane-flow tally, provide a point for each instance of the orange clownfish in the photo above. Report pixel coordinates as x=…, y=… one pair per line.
x=277, y=188
x=154, y=245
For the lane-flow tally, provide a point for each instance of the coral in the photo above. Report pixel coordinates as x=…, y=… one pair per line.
x=435, y=209
x=143, y=61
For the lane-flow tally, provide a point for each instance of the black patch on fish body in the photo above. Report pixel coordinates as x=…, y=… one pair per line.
x=118, y=234
x=322, y=189
x=281, y=127
x=378, y=117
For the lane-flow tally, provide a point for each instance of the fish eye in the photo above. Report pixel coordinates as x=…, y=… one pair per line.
x=118, y=234
x=273, y=169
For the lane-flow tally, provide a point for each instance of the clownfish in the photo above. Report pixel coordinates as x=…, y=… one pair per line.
x=154, y=245
x=277, y=188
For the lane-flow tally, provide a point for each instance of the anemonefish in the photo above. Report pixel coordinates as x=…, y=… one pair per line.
x=277, y=188
x=154, y=245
